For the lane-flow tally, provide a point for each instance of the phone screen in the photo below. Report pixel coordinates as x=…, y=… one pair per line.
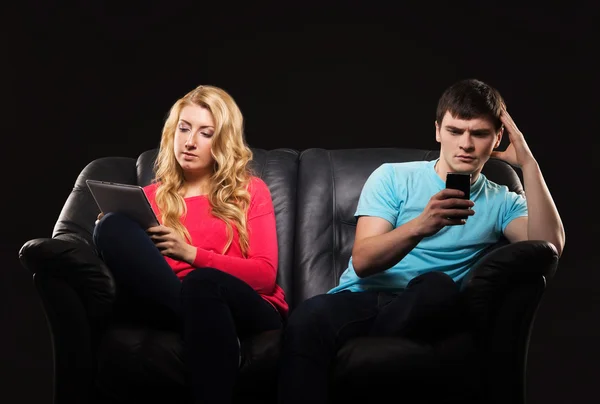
x=459, y=181
x=462, y=182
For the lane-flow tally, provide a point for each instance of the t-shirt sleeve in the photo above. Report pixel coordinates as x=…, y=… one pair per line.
x=379, y=195
x=515, y=206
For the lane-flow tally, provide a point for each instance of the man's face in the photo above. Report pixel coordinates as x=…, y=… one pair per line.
x=466, y=144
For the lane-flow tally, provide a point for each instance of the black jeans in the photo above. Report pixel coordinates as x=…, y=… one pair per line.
x=212, y=307
x=318, y=327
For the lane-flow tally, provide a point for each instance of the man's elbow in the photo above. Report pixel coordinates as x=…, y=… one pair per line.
x=358, y=270
x=359, y=263
x=560, y=245
x=558, y=241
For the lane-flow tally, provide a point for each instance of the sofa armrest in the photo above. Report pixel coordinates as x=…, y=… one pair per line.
x=76, y=263
x=501, y=296
x=502, y=269
x=77, y=291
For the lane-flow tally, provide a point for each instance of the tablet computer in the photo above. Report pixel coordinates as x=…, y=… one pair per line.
x=127, y=199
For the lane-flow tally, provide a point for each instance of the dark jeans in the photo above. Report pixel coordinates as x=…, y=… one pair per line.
x=212, y=307
x=318, y=327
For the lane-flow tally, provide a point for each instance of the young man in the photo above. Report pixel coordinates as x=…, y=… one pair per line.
x=411, y=250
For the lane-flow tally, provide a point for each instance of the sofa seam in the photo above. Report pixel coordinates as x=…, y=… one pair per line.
x=264, y=167
x=334, y=221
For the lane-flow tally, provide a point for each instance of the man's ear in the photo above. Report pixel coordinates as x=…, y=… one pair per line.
x=499, y=140
x=438, y=138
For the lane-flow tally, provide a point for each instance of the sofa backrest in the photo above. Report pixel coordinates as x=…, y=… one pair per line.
x=314, y=193
x=329, y=185
x=80, y=211
x=278, y=168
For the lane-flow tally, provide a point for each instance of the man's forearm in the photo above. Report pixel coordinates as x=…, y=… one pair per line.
x=379, y=253
x=544, y=221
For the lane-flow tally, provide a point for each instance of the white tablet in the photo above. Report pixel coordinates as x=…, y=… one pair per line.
x=123, y=198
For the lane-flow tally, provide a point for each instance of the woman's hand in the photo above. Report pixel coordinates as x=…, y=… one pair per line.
x=100, y=216
x=171, y=245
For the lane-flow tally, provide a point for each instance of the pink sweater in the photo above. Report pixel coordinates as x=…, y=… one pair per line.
x=209, y=236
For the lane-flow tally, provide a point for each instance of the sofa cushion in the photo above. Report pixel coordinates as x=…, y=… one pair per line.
x=136, y=360
x=420, y=372
x=278, y=169
x=329, y=186
x=315, y=196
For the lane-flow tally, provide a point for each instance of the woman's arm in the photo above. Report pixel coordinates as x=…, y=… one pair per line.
x=259, y=269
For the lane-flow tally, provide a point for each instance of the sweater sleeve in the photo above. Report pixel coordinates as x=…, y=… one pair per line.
x=259, y=269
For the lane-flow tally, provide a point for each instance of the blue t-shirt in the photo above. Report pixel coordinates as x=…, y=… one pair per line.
x=398, y=192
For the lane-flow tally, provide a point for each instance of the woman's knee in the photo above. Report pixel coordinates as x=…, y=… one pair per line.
x=201, y=281
x=202, y=275
x=110, y=225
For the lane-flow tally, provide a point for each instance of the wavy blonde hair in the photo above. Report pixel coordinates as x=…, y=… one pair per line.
x=228, y=194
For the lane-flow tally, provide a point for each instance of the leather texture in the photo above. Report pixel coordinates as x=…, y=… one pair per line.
x=331, y=182
x=112, y=356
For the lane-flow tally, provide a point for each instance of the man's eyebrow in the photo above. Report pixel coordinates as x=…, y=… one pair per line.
x=482, y=130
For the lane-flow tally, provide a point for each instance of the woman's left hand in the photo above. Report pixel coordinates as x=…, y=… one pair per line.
x=171, y=245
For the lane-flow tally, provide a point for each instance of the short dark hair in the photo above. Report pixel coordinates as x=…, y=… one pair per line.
x=469, y=99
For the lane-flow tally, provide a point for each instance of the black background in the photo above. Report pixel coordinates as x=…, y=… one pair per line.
x=94, y=79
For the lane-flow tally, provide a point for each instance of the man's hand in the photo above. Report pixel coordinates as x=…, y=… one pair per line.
x=517, y=153
x=441, y=209
x=378, y=246
x=170, y=244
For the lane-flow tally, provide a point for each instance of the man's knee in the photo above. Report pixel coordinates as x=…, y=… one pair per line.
x=436, y=280
x=435, y=288
x=310, y=317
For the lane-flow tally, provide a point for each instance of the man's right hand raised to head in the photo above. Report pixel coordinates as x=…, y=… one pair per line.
x=378, y=246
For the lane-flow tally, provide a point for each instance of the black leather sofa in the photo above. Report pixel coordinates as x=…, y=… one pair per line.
x=103, y=354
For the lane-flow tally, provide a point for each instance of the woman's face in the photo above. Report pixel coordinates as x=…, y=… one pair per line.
x=193, y=140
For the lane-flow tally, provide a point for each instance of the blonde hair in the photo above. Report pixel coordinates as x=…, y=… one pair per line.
x=228, y=194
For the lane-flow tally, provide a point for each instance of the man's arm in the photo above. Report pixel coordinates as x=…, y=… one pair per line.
x=543, y=222
x=378, y=246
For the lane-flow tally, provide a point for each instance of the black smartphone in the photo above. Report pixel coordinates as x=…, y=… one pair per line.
x=462, y=182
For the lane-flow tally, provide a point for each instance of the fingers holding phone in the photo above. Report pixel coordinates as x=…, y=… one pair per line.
x=460, y=182
x=446, y=208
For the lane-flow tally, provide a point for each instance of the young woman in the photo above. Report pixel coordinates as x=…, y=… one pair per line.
x=212, y=261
